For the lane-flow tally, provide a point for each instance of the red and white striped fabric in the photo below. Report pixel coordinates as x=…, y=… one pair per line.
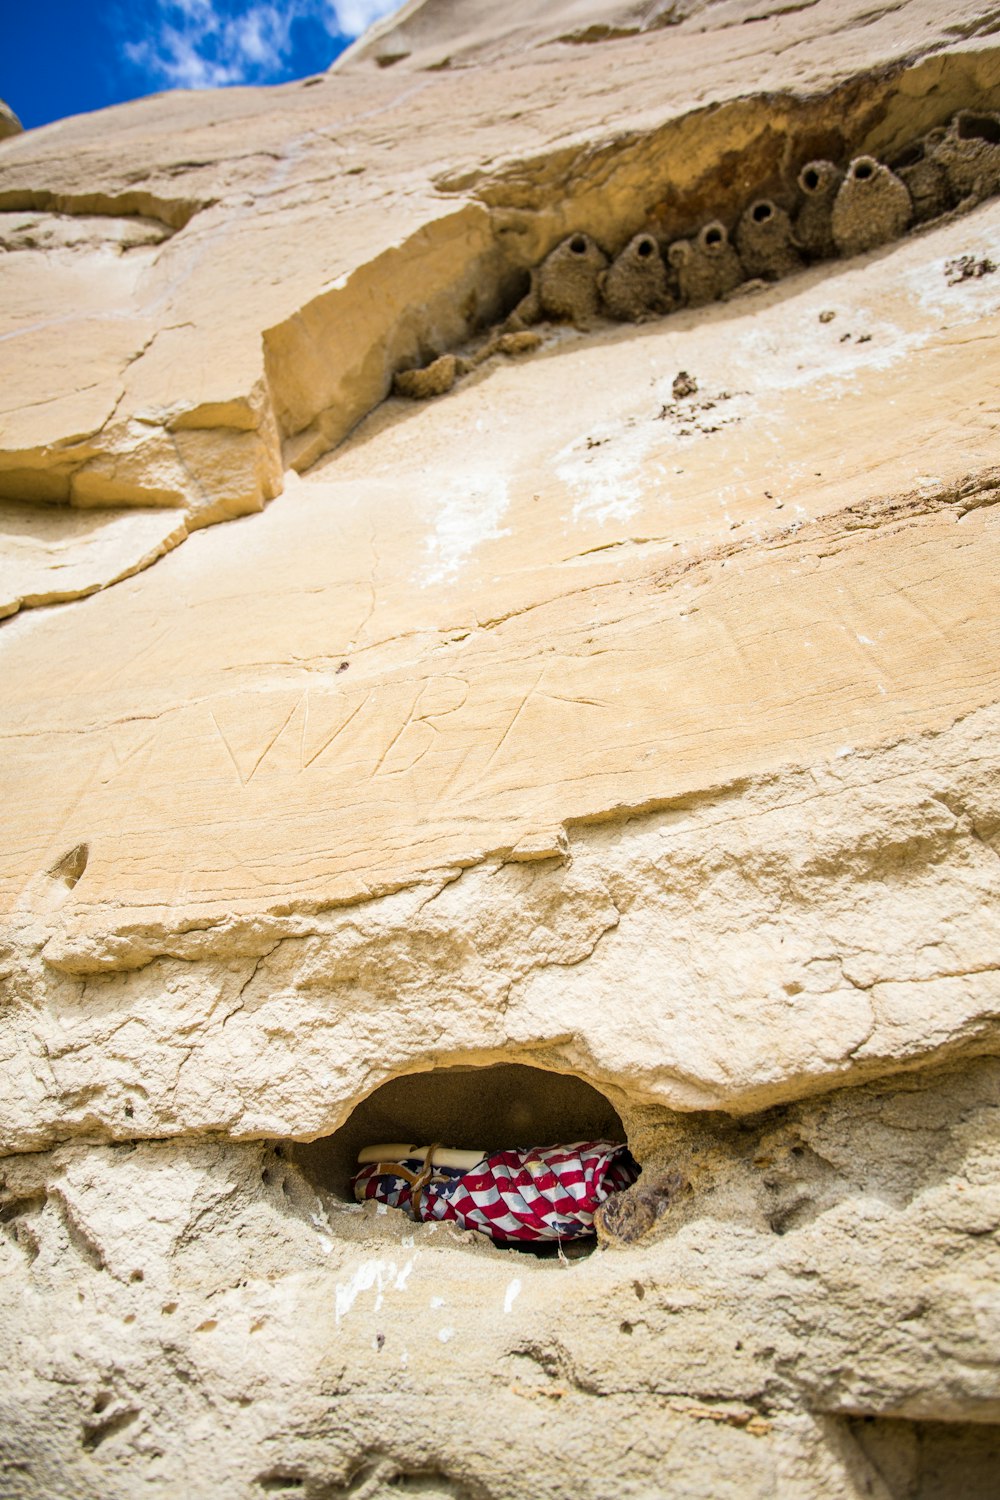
x=544, y=1193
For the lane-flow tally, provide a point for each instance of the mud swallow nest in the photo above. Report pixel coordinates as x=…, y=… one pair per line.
x=833, y=210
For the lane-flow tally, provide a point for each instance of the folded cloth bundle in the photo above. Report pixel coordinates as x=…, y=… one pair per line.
x=541, y=1193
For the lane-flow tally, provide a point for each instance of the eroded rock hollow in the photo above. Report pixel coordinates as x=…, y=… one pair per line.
x=604, y=749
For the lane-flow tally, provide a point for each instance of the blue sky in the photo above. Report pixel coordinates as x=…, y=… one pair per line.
x=61, y=57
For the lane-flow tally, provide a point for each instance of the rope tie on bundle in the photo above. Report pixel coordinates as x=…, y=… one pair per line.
x=418, y=1181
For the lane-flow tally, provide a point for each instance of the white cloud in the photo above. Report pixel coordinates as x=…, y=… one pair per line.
x=199, y=44
x=352, y=17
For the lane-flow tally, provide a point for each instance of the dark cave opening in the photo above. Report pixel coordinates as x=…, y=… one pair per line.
x=478, y=1109
x=488, y=1108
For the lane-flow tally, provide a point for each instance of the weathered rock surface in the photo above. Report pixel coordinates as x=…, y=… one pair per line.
x=203, y=1319
x=9, y=123
x=632, y=729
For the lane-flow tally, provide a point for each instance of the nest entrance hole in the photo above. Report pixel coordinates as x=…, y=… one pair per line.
x=490, y=1108
x=979, y=128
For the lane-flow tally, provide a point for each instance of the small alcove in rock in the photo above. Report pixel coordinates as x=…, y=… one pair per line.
x=490, y=1108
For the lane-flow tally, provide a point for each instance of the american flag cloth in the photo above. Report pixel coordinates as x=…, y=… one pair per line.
x=540, y=1193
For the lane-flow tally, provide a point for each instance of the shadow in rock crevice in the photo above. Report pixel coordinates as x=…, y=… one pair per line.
x=489, y=1108
x=917, y=1460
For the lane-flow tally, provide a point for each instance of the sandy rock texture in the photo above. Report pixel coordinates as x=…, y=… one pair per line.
x=9, y=123
x=817, y=1318
x=624, y=720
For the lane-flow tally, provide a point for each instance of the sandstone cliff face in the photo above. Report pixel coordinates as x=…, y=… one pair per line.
x=587, y=725
x=9, y=123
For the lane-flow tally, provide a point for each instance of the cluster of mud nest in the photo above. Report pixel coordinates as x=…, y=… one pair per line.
x=835, y=212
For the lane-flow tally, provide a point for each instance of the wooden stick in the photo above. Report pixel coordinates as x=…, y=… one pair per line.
x=397, y=1151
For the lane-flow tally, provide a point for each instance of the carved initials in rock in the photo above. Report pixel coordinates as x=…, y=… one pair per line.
x=259, y=734
x=366, y=732
x=439, y=697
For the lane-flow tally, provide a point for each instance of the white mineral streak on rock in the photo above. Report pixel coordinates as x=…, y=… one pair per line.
x=467, y=514
x=384, y=1276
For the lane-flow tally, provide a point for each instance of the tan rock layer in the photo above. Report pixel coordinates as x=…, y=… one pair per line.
x=310, y=353
x=466, y=738
x=725, y=934
x=834, y=1263
x=9, y=123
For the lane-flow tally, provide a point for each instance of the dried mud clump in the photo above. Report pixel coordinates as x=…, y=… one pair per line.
x=925, y=177
x=565, y=286
x=437, y=378
x=819, y=184
x=765, y=242
x=433, y=380
x=518, y=341
x=969, y=152
x=625, y=1218
x=968, y=268
x=872, y=207
x=707, y=267
x=635, y=287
